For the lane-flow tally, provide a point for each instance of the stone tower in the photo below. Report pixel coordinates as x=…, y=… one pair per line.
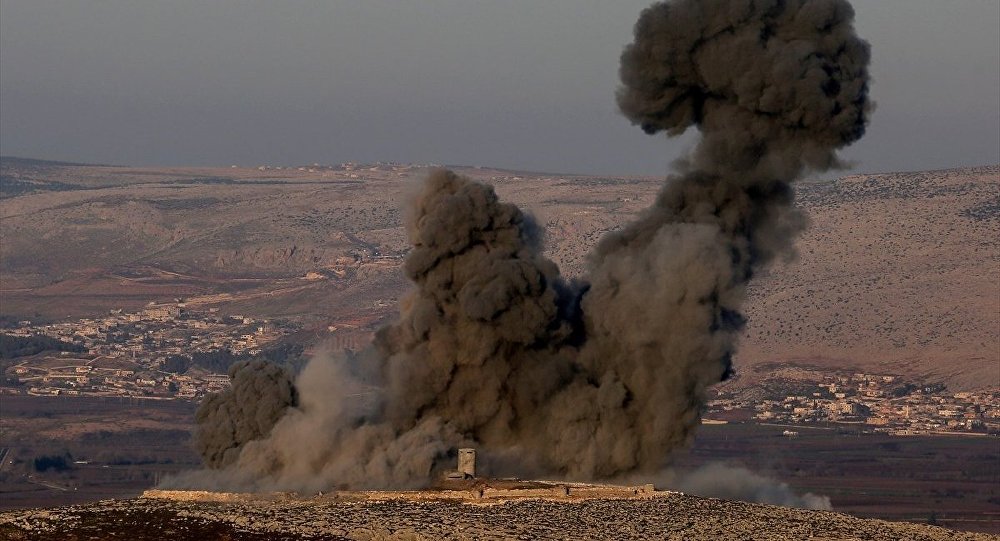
x=467, y=462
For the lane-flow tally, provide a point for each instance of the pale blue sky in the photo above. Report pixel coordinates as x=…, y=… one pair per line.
x=518, y=84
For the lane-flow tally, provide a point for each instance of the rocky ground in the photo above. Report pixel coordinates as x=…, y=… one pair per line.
x=660, y=516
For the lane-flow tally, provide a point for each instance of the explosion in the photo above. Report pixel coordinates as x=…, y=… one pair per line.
x=596, y=378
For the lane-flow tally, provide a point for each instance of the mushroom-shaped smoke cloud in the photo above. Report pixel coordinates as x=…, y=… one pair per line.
x=603, y=377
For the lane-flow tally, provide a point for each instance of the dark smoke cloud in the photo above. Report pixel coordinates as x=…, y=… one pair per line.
x=225, y=422
x=774, y=87
x=476, y=339
x=478, y=351
x=717, y=480
x=604, y=377
x=333, y=438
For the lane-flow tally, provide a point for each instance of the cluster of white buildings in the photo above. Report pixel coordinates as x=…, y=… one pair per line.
x=129, y=354
x=883, y=403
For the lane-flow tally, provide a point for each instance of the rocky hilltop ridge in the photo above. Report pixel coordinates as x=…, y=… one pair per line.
x=594, y=512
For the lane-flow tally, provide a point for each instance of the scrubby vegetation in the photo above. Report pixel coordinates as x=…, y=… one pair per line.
x=22, y=346
x=219, y=361
x=57, y=463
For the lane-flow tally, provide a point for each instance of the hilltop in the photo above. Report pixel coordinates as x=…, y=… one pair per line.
x=895, y=273
x=420, y=516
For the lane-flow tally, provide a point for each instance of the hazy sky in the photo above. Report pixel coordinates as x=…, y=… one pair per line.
x=519, y=84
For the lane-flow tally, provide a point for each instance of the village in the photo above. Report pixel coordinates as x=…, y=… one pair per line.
x=161, y=352
x=874, y=402
x=166, y=351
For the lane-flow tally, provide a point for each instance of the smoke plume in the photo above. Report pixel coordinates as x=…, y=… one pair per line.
x=716, y=480
x=603, y=377
x=259, y=395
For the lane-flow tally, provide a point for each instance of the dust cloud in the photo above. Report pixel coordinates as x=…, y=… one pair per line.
x=259, y=395
x=589, y=379
x=717, y=480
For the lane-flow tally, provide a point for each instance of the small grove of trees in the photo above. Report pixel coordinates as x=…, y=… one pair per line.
x=219, y=361
x=902, y=390
x=9, y=381
x=23, y=346
x=53, y=462
x=284, y=353
x=176, y=364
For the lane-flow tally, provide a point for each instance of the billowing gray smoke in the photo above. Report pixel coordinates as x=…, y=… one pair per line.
x=594, y=379
x=259, y=395
x=775, y=87
x=717, y=480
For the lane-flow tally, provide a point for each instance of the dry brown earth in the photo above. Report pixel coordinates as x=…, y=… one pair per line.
x=663, y=516
x=897, y=272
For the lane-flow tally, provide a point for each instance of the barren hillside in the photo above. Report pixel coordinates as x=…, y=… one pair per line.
x=896, y=273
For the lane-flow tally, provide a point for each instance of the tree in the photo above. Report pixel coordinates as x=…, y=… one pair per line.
x=176, y=364
x=52, y=462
